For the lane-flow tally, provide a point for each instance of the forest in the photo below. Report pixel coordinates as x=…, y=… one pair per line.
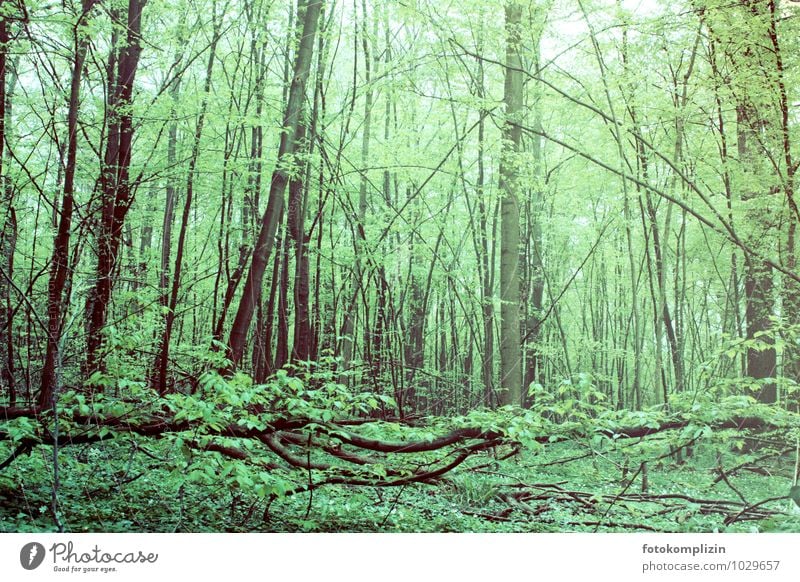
x=399, y=266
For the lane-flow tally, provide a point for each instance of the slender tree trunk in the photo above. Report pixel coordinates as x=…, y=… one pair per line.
x=534, y=245
x=304, y=341
x=60, y=267
x=348, y=328
x=732, y=324
x=510, y=349
x=282, y=339
x=486, y=271
x=162, y=362
x=145, y=244
x=269, y=222
x=169, y=203
x=266, y=360
x=414, y=339
x=8, y=242
x=117, y=193
x=8, y=236
x=230, y=290
x=303, y=338
x=252, y=194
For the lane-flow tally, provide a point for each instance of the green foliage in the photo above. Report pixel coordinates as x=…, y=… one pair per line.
x=575, y=463
x=646, y=198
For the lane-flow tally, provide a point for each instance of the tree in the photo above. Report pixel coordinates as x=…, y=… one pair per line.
x=765, y=166
x=510, y=337
x=9, y=233
x=162, y=362
x=116, y=189
x=60, y=267
x=251, y=292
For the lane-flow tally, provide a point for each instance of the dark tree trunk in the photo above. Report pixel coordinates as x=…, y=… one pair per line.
x=414, y=341
x=265, y=363
x=758, y=287
x=169, y=202
x=162, y=362
x=304, y=342
x=269, y=223
x=145, y=244
x=230, y=290
x=59, y=267
x=117, y=195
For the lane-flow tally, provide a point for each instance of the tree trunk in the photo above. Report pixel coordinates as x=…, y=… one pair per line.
x=162, y=361
x=348, y=329
x=145, y=244
x=534, y=251
x=115, y=184
x=757, y=117
x=169, y=203
x=269, y=222
x=486, y=270
x=758, y=286
x=304, y=342
x=8, y=236
x=282, y=339
x=59, y=267
x=510, y=349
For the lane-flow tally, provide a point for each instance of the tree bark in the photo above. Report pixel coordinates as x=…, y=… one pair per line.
x=348, y=328
x=8, y=236
x=269, y=223
x=304, y=342
x=757, y=118
x=170, y=193
x=59, y=268
x=534, y=247
x=758, y=286
x=117, y=195
x=162, y=361
x=510, y=337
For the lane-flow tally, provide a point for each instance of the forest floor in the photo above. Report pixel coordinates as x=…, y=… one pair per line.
x=120, y=486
